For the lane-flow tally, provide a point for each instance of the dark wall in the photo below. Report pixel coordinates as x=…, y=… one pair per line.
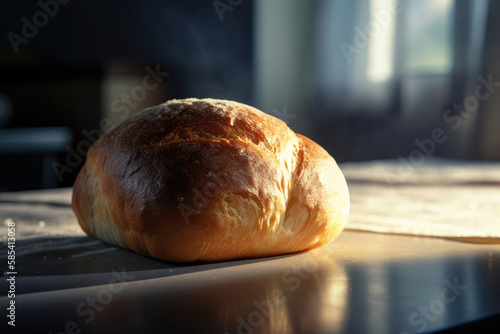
x=57, y=75
x=209, y=57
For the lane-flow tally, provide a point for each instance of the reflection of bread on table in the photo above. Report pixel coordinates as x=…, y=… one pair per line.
x=278, y=298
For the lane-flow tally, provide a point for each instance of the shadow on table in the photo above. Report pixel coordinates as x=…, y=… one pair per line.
x=52, y=263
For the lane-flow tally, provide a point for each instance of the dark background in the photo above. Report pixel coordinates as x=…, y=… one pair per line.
x=284, y=57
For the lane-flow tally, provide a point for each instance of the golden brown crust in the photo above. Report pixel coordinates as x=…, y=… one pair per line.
x=209, y=180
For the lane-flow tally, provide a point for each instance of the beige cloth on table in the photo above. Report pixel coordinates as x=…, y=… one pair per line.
x=440, y=198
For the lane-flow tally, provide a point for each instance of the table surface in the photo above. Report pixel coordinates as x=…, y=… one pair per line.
x=361, y=283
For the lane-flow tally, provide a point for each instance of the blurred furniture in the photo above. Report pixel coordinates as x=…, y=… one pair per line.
x=54, y=112
x=51, y=103
x=27, y=156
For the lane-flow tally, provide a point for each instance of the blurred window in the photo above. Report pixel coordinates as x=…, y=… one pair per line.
x=381, y=51
x=428, y=42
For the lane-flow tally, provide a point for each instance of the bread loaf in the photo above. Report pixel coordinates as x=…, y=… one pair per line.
x=210, y=180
